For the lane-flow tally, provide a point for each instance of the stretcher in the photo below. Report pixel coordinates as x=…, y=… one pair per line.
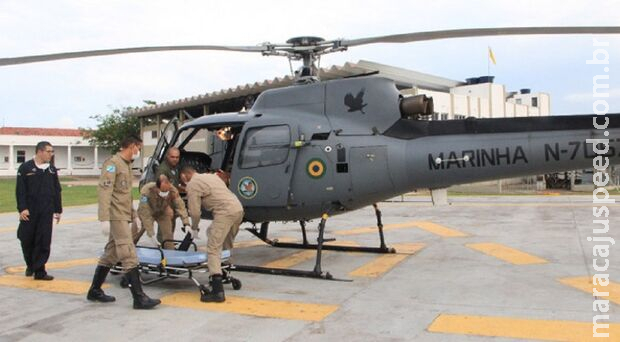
x=162, y=264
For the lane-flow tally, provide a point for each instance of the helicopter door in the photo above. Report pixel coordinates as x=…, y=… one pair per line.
x=263, y=169
x=162, y=145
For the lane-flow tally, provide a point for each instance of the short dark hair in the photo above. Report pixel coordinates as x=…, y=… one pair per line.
x=162, y=178
x=187, y=169
x=130, y=140
x=41, y=145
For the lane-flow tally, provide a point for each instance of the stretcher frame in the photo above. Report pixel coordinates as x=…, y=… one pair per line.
x=164, y=271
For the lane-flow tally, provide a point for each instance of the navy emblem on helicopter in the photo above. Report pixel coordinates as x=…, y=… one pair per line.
x=355, y=103
x=247, y=187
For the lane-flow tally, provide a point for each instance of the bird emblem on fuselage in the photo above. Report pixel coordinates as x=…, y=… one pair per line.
x=355, y=103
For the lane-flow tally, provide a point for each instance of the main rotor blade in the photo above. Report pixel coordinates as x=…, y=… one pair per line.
x=92, y=53
x=480, y=32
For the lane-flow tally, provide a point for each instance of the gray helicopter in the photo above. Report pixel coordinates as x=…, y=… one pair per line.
x=321, y=148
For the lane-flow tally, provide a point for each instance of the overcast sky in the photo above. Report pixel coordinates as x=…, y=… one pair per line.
x=67, y=93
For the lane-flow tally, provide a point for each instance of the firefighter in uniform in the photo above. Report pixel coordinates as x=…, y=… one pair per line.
x=160, y=201
x=209, y=191
x=37, y=192
x=115, y=214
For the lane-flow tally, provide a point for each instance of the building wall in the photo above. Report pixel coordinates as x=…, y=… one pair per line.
x=67, y=165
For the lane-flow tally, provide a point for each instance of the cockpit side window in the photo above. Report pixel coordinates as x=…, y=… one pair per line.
x=264, y=146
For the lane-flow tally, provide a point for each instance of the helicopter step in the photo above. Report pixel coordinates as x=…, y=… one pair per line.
x=319, y=246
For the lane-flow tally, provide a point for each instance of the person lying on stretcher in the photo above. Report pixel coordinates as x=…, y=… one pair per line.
x=159, y=202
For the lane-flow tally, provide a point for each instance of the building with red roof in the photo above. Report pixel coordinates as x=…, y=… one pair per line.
x=73, y=155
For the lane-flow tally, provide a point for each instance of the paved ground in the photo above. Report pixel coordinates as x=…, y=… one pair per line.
x=483, y=268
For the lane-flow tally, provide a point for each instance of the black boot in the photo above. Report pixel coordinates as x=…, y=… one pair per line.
x=95, y=293
x=140, y=299
x=216, y=295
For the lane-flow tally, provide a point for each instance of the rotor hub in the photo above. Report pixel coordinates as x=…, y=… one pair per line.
x=305, y=41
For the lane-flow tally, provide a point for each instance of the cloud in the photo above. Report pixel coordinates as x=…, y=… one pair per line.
x=66, y=122
x=582, y=98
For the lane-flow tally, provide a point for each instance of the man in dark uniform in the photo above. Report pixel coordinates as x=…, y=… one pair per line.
x=170, y=169
x=38, y=203
x=115, y=215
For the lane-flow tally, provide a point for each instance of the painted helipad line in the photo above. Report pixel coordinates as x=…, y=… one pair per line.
x=518, y=328
x=254, y=306
x=386, y=262
x=428, y=226
x=440, y=230
x=305, y=255
x=254, y=243
x=291, y=260
x=507, y=254
x=56, y=285
x=55, y=265
x=585, y=284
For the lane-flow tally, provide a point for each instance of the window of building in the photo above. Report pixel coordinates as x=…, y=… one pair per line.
x=435, y=116
x=444, y=116
x=518, y=101
x=6, y=159
x=534, y=101
x=21, y=156
x=264, y=146
x=154, y=134
x=78, y=159
x=459, y=117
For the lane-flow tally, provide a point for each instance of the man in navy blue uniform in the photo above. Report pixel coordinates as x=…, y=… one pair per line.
x=38, y=203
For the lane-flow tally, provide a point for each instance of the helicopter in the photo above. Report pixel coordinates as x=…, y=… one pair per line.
x=322, y=148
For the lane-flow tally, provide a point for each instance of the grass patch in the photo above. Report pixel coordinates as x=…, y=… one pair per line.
x=71, y=195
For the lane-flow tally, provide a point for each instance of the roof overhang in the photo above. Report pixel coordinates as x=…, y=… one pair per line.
x=404, y=79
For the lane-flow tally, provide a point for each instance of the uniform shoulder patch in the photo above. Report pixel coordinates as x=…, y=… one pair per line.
x=144, y=199
x=111, y=168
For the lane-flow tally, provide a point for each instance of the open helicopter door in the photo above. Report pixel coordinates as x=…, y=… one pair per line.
x=149, y=172
x=262, y=172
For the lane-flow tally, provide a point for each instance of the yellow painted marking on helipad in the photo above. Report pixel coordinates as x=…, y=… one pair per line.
x=507, y=327
x=254, y=307
x=299, y=257
x=440, y=230
x=292, y=260
x=56, y=285
x=585, y=284
x=366, y=230
x=343, y=243
x=430, y=227
x=506, y=253
x=254, y=243
x=56, y=265
x=408, y=248
x=379, y=266
x=384, y=263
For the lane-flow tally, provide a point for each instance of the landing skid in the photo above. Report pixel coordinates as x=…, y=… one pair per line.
x=319, y=247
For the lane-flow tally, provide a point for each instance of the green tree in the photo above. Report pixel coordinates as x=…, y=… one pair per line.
x=112, y=129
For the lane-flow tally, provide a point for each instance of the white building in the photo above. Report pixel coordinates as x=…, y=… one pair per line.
x=73, y=155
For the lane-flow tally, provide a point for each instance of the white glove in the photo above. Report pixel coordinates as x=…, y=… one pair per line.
x=137, y=222
x=105, y=228
x=154, y=241
x=193, y=233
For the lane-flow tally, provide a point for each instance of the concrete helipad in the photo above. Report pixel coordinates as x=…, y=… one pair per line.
x=482, y=268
